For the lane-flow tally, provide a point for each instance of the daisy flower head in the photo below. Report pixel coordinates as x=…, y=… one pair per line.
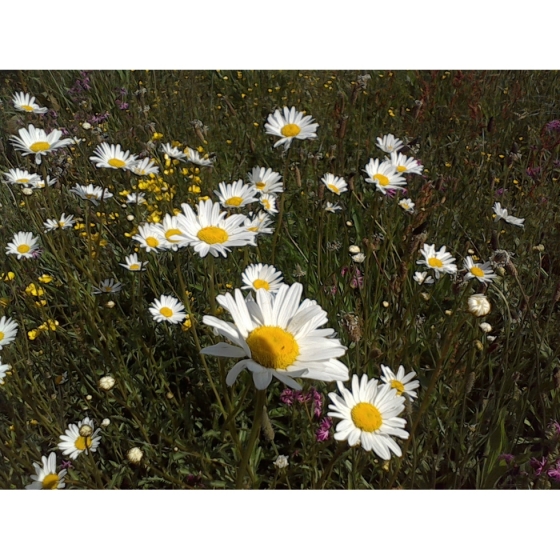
x=194, y=157
x=384, y=176
x=236, y=195
x=482, y=272
x=144, y=167
x=171, y=229
x=42, y=183
x=265, y=180
x=405, y=165
x=23, y=245
x=261, y=277
x=46, y=477
x=502, y=213
x=64, y=222
x=258, y=223
x=337, y=185
x=151, y=237
x=113, y=157
x=389, y=143
x=277, y=336
x=168, y=308
x=407, y=205
x=94, y=194
x=439, y=261
x=403, y=384
x=8, y=331
x=35, y=141
x=290, y=124
x=135, y=198
x=268, y=202
x=79, y=438
x=26, y=103
x=423, y=278
x=132, y=263
x=332, y=208
x=173, y=153
x=209, y=231
x=369, y=415
x=108, y=286
x=21, y=177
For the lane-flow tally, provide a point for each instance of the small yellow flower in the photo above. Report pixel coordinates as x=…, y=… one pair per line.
x=41, y=303
x=45, y=278
x=186, y=325
x=33, y=334
x=157, y=136
x=8, y=276
x=33, y=290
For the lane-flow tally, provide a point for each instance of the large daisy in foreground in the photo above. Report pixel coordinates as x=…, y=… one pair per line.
x=290, y=124
x=35, y=141
x=277, y=336
x=369, y=415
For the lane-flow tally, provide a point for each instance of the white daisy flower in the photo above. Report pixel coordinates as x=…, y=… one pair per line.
x=23, y=245
x=407, y=205
x=94, y=194
x=333, y=208
x=261, y=276
x=145, y=167
x=194, y=157
x=265, y=180
x=108, y=286
x=3, y=368
x=26, y=103
x=337, y=185
x=63, y=223
x=46, y=477
x=41, y=183
x=79, y=438
x=21, y=177
x=423, y=278
x=384, y=176
x=135, y=198
x=168, y=308
x=171, y=229
x=439, y=261
x=34, y=141
x=258, y=223
x=369, y=415
x=113, y=157
x=209, y=231
x=502, y=213
x=8, y=331
x=482, y=272
x=289, y=125
x=236, y=195
x=132, y=263
x=268, y=202
x=402, y=383
x=405, y=165
x=389, y=143
x=151, y=237
x=277, y=336
x=173, y=153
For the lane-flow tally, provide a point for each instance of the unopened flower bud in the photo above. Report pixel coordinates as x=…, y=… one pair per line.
x=485, y=327
x=86, y=430
x=354, y=249
x=105, y=422
x=479, y=305
x=106, y=383
x=359, y=258
x=135, y=455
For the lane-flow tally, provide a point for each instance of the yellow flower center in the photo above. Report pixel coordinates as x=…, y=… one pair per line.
x=273, y=347
x=134, y=267
x=290, y=130
x=50, y=482
x=266, y=203
x=1, y=336
x=22, y=181
x=398, y=386
x=213, y=235
x=166, y=312
x=260, y=186
x=171, y=232
x=405, y=205
x=258, y=283
x=381, y=179
x=115, y=162
x=23, y=248
x=152, y=242
x=234, y=201
x=89, y=196
x=366, y=417
x=333, y=188
x=435, y=262
x=401, y=168
x=27, y=108
x=82, y=443
x=39, y=147
x=253, y=229
x=477, y=271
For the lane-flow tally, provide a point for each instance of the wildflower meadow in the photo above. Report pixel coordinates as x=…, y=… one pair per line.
x=279, y=279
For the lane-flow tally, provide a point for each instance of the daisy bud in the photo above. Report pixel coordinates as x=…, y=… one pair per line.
x=86, y=430
x=88, y=397
x=485, y=327
x=105, y=422
x=110, y=304
x=86, y=125
x=106, y=383
x=135, y=455
x=281, y=462
x=349, y=223
x=385, y=304
x=479, y=305
x=490, y=338
x=359, y=258
x=130, y=217
x=27, y=191
x=354, y=249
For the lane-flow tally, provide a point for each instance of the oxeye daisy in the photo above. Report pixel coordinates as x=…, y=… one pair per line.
x=26, y=103
x=405, y=165
x=369, y=416
x=135, y=198
x=258, y=223
x=46, y=477
x=21, y=177
x=403, y=384
x=133, y=264
x=482, y=272
x=151, y=238
x=337, y=185
x=277, y=336
x=94, y=194
x=23, y=245
x=423, y=278
x=268, y=202
x=333, y=208
x=194, y=157
x=63, y=223
x=42, y=183
x=502, y=213
x=35, y=141
x=168, y=308
x=144, y=167
x=265, y=180
x=108, y=286
x=8, y=331
x=209, y=231
x=290, y=124
x=171, y=230
x=389, y=143
x=407, y=205
x=439, y=261
x=261, y=276
x=79, y=438
x=173, y=153
x=236, y=195
x=384, y=176
x=3, y=369
x=113, y=157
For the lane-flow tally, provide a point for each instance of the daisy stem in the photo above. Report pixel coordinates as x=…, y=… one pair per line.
x=328, y=469
x=212, y=287
x=257, y=420
x=280, y=210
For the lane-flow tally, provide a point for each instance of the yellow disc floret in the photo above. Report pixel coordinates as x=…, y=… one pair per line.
x=213, y=235
x=273, y=347
x=234, y=201
x=381, y=179
x=50, y=482
x=258, y=283
x=366, y=417
x=477, y=271
x=290, y=130
x=39, y=146
x=434, y=262
x=398, y=386
x=115, y=162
